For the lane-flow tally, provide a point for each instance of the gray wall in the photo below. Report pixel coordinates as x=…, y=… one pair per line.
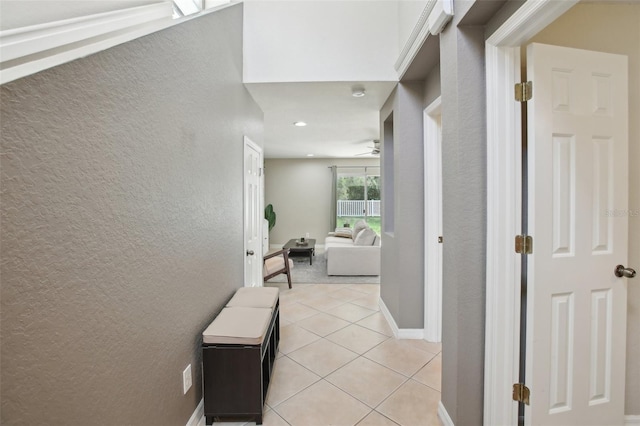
x=122, y=227
x=402, y=269
x=300, y=191
x=464, y=218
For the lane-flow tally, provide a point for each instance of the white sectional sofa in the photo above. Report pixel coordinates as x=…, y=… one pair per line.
x=345, y=257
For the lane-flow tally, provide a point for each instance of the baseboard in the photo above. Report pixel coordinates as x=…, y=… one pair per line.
x=399, y=333
x=444, y=416
x=197, y=418
x=631, y=420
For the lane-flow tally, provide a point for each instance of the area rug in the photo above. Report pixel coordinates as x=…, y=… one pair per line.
x=303, y=273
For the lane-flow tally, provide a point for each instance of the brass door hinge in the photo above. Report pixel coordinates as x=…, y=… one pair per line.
x=524, y=91
x=521, y=393
x=524, y=244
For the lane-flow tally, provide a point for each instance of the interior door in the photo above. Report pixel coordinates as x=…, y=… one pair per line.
x=578, y=180
x=252, y=214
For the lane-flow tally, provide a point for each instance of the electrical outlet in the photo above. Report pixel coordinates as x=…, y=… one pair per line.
x=186, y=379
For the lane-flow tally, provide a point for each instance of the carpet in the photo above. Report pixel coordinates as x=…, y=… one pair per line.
x=303, y=273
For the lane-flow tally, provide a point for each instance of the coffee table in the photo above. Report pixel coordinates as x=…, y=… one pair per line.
x=308, y=249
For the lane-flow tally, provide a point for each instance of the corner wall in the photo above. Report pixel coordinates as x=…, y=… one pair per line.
x=122, y=229
x=464, y=218
x=402, y=269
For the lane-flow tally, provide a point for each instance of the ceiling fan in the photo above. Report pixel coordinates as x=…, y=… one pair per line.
x=375, y=149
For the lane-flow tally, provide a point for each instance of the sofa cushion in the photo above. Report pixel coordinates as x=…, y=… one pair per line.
x=366, y=237
x=359, y=226
x=337, y=241
x=343, y=232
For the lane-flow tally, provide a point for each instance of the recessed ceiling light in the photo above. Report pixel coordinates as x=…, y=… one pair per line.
x=358, y=92
x=299, y=123
x=310, y=155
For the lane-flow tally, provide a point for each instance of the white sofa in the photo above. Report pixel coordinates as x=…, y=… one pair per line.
x=346, y=258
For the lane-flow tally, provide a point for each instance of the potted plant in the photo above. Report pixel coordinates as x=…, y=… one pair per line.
x=270, y=215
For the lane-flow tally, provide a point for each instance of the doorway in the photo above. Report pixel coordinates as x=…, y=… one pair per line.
x=503, y=50
x=433, y=221
x=253, y=213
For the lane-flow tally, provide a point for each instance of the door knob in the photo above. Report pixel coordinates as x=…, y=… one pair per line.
x=621, y=271
x=251, y=253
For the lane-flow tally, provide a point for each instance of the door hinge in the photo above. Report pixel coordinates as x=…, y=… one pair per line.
x=521, y=393
x=524, y=244
x=524, y=91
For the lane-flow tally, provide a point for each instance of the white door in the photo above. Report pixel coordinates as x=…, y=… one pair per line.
x=252, y=214
x=578, y=180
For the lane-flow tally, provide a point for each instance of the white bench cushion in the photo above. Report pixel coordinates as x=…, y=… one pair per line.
x=254, y=297
x=241, y=326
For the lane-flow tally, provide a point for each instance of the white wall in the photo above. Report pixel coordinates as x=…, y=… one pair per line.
x=300, y=191
x=615, y=28
x=320, y=41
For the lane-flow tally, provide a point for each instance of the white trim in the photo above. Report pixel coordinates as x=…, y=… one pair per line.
x=504, y=203
x=399, y=333
x=444, y=415
x=197, y=418
x=433, y=222
x=435, y=15
x=28, y=50
x=387, y=315
x=502, y=321
x=528, y=20
x=631, y=420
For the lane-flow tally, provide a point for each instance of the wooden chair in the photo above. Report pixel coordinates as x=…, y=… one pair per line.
x=277, y=263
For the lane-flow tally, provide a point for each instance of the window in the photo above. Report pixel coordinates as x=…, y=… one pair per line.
x=358, y=197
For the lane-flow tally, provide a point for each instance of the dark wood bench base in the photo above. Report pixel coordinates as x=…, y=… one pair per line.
x=236, y=377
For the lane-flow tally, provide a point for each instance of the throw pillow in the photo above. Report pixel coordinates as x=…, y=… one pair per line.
x=343, y=232
x=359, y=226
x=366, y=237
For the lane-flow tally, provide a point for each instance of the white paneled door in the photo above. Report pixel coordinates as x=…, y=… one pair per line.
x=253, y=214
x=578, y=190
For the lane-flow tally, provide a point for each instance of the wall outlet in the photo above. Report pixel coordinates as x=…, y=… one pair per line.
x=186, y=379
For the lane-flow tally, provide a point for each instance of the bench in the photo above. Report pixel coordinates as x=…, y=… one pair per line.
x=238, y=352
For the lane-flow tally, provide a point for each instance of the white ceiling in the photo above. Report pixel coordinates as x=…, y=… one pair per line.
x=338, y=124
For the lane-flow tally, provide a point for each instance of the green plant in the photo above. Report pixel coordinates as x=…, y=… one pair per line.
x=270, y=215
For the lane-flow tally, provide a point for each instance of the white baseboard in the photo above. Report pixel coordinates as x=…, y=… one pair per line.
x=631, y=420
x=399, y=333
x=444, y=416
x=197, y=418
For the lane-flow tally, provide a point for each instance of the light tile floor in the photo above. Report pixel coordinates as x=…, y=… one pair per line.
x=338, y=363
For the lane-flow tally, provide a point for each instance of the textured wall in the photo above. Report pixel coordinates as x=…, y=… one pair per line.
x=402, y=269
x=122, y=229
x=300, y=191
x=615, y=28
x=464, y=221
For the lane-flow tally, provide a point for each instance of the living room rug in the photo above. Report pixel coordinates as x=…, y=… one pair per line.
x=303, y=273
